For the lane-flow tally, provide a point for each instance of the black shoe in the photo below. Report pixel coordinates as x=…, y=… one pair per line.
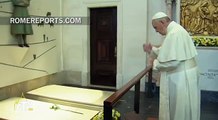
x=20, y=45
x=26, y=45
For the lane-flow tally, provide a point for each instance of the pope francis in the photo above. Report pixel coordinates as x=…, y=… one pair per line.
x=175, y=59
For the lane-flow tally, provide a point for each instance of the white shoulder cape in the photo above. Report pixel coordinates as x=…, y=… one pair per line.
x=178, y=44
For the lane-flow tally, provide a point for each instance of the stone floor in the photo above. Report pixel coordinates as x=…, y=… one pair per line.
x=149, y=106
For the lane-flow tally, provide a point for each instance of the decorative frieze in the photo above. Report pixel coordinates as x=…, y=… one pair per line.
x=200, y=17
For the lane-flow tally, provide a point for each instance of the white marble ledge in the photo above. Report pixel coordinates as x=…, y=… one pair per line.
x=207, y=48
x=26, y=109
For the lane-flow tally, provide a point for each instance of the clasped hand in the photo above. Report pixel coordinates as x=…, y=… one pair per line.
x=147, y=47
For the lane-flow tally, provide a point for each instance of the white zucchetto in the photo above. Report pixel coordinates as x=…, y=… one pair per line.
x=159, y=15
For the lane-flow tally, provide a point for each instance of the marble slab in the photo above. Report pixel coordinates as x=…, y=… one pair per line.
x=74, y=94
x=17, y=108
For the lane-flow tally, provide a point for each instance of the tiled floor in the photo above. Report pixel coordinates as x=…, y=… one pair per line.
x=149, y=106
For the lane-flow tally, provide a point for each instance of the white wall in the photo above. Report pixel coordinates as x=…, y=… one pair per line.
x=17, y=64
x=134, y=35
x=155, y=6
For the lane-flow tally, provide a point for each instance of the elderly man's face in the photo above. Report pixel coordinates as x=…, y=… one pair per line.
x=159, y=27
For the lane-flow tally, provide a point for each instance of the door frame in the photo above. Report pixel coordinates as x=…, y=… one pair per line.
x=86, y=43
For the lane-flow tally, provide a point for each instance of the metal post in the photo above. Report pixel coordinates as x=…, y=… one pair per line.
x=149, y=92
x=107, y=111
x=137, y=97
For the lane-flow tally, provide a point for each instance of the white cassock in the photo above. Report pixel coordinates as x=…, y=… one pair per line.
x=179, y=87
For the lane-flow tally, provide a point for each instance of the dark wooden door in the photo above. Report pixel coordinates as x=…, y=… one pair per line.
x=103, y=36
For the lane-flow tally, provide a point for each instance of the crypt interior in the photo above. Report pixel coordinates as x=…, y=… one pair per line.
x=95, y=63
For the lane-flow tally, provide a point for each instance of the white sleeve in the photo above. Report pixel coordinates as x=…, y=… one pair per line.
x=166, y=66
x=154, y=52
